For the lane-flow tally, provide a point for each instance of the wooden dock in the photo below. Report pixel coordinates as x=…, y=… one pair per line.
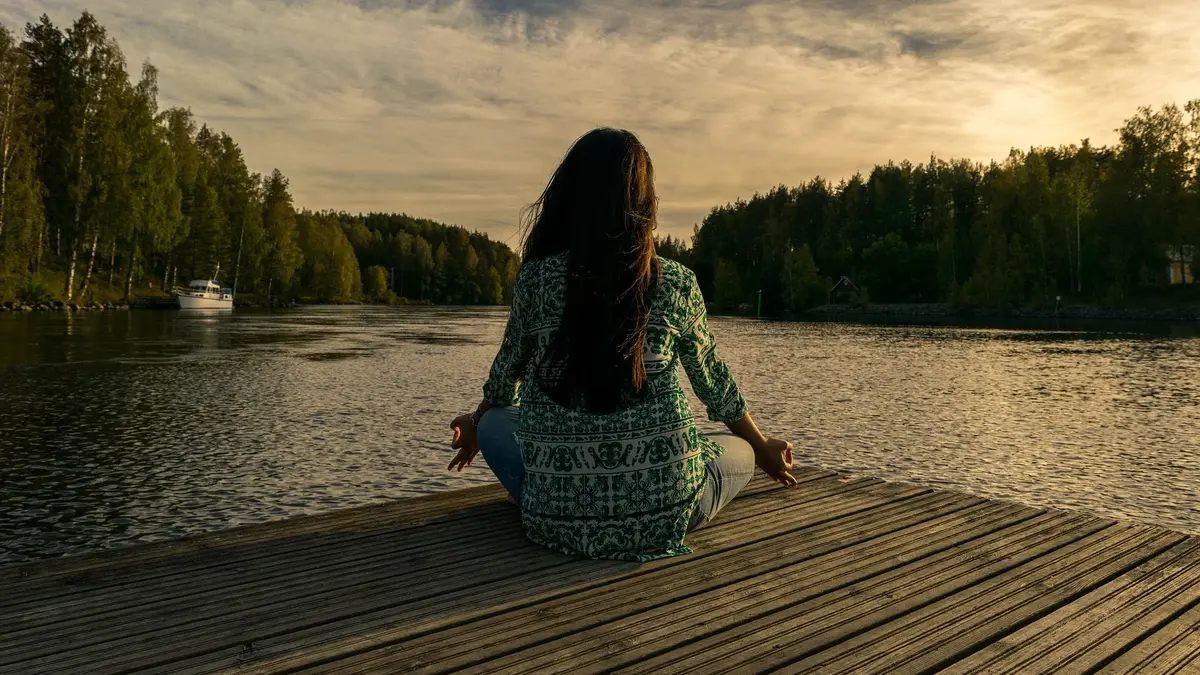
x=841, y=574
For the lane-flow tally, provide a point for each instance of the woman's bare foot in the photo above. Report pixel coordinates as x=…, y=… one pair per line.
x=510, y=500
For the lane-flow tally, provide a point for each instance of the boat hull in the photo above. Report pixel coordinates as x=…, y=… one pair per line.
x=192, y=302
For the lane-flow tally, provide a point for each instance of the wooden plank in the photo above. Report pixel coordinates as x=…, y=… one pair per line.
x=835, y=498
x=290, y=604
x=578, y=612
x=502, y=533
x=415, y=550
x=841, y=575
x=1172, y=649
x=406, y=510
x=677, y=626
x=415, y=619
x=37, y=581
x=772, y=496
x=746, y=518
x=1084, y=635
x=793, y=629
x=678, y=623
x=307, y=594
x=31, y=582
x=601, y=640
x=241, y=562
x=940, y=632
x=804, y=474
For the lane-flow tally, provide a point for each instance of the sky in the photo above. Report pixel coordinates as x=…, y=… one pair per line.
x=459, y=110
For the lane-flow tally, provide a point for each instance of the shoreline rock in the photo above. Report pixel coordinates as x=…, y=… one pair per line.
x=938, y=310
x=62, y=307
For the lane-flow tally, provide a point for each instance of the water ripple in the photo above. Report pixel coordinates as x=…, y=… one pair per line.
x=118, y=428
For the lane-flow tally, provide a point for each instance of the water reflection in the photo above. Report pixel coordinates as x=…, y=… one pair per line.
x=118, y=427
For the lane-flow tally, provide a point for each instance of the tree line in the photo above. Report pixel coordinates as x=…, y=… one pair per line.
x=1080, y=222
x=103, y=196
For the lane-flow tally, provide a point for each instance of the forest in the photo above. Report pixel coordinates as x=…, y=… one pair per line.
x=1116, y=226
x=104, y=197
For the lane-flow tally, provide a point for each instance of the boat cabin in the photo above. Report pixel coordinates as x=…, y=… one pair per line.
x=204, y=285
x=208, y=288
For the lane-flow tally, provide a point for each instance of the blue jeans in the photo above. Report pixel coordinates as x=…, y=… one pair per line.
x=724, y=477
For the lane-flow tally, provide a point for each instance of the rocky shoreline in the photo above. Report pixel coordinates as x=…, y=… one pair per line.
x=60, y=306
x=938, y=311
x=878, y=311
x=139, y=304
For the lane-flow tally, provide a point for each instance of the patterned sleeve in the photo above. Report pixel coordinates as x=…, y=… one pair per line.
x=710, y=377
x=504, y=380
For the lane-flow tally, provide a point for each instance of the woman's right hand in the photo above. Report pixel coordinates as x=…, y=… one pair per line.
x=774, y=457
x=466, y=441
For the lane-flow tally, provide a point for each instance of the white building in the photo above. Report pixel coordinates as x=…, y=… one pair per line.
x=1180, y=260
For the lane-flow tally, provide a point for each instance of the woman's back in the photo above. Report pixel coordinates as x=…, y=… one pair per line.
x=622, y=484
x=586, y=423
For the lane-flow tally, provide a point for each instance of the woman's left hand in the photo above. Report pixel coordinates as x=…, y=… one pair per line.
x=466, y=441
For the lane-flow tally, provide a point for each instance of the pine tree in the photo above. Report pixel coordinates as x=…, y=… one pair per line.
x=282, y=252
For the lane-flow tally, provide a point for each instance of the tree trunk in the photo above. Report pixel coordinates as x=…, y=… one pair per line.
x=1041, y=230
x=166, y=275
x=269, y=283
x=129, y=274
x=6, y=147
x=70, y=292
x=87, y=277
x=954, y=256
x=1078, y=252
x=69, y=289
x=112, y=261
x=237, y=266
x=1070, y=259
x=4, y=162
x=37, y=262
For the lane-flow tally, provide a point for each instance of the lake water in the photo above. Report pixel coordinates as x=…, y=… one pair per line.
x=124, y=427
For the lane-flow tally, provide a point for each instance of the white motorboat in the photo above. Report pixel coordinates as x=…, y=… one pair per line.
x=204, y=294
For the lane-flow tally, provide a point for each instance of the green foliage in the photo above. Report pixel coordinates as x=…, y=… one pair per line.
x=492, y=288
x=1082, y=222
x=375, y=288
x=887, y=264
x=33, y=292
x=801, y=283
x=897, y=272
x=432, y=262
x=330, y=270
x=283, y=253
x=672, y=249
x=21, y=222
x=97, y=184
x=729, y=287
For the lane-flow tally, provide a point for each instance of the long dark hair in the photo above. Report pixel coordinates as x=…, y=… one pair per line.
x=600, y=209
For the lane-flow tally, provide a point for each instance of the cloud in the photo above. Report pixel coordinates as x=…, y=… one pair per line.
x=459, y=111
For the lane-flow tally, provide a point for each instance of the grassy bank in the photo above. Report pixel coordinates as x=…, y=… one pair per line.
x=48, y=288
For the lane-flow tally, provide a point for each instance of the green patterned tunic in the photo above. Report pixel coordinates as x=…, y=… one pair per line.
x=622, y=485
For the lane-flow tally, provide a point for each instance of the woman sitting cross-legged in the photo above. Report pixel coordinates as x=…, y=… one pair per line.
x=599, y=449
